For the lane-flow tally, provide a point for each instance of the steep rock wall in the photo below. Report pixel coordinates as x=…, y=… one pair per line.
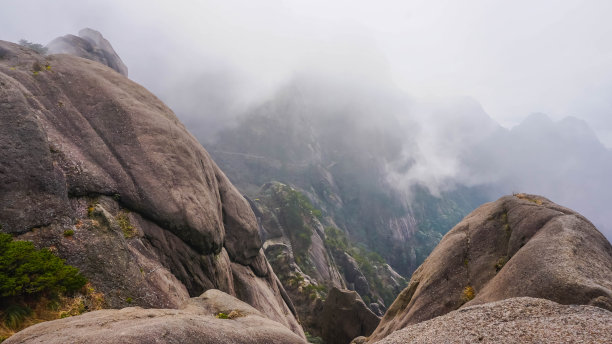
x=155, y=220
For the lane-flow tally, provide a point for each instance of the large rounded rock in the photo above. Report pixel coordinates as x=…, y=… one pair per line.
x=344, y=317
x=90, y=44
x=522, y=245
x=212, y=318
x=85, y=149
x=515, y=320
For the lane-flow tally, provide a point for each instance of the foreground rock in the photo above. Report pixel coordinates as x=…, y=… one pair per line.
x=344, y=317
x=90, y=44
x=214, y=317
x=515, y=320
x=99, y=170
x=520, y=245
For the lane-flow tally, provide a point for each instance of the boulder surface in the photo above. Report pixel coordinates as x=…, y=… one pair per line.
x=345, y=316
x=520, y=245
x=515, y=320
x=89, y=44
x=153, y=219
x=214, y=317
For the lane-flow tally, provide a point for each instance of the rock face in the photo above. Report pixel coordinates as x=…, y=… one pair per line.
x=310, y=256
x=155, y=220
x=212, y=318
x=521, y=245
x=293, y=138
x=515, y=320
x=90, y=44
x=344, y=317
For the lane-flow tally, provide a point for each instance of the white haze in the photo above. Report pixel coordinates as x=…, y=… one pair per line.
x=456, y=62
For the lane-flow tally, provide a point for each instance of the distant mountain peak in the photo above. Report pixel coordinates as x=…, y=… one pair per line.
x=90, y=44
x=539, y=118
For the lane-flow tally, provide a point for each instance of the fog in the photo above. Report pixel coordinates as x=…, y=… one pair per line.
x=461, y=79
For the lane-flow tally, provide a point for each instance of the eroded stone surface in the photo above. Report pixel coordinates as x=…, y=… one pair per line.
x=515, y=320
x=521, y=245
x=344, y=316
x=154, y=219
x=212, y=318
x=89, y=44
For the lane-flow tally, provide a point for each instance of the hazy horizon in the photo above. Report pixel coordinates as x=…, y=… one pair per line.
x=444, y=65
x=514, y=58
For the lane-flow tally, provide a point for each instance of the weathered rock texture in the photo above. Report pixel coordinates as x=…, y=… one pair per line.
x=522, y=245
x=310, y=256
x=90, y=44
x=515, y=320
x=212, y=318
x=344, y=317
x=154, y=219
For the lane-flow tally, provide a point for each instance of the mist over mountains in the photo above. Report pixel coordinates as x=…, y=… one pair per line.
x=213, y=64
x=322, y=172
x=437, y=143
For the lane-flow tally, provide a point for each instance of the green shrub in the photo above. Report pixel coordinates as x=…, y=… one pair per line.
x=500, y=263
x=222, y=315
x=367, y=260
x=26, y=271
x=39, y=48
x=126, y=226
x=68, y=233
x=295, y=208
x=313, y=339
x=336, y=239
x=315, y=290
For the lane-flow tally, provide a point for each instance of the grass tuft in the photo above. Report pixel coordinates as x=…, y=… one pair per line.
x=221, y=315
x=468, y=294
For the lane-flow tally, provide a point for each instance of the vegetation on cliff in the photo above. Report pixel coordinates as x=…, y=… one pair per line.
x=36, y=285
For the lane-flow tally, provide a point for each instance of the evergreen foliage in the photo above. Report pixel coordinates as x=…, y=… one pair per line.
x=27, y=271
x=39, y=48
x=295, y=209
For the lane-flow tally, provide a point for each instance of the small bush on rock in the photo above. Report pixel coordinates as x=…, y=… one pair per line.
x=26, y=271
x=39, y=48
x=468, y=294
x=222, y=315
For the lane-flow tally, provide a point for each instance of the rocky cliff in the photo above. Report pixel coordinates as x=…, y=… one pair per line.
x=151, y=219
x=518, y=246
x=89, y=44
x=312, y=257
x=337, y=152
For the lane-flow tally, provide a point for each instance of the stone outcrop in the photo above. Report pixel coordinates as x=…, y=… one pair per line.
x=354, y=277
x=344, y=316
x=515, y=320
x=518, y=246
x=310, y=256
x=155, y=221
x=89, y=44
x=212, y=318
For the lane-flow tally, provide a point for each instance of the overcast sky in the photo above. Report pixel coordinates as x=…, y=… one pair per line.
x=514, y=57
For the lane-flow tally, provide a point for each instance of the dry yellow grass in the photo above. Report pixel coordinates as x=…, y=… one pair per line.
x=525, y=197
x=64, y=306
